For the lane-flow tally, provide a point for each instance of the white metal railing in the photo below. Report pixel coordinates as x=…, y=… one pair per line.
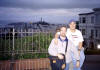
x=19, y=49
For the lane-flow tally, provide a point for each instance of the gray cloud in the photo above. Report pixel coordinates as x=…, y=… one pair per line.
x=58, y=11
x=51, y=4
x=49, y=15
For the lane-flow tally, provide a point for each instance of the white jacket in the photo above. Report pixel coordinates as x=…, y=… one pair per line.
x=60, y=48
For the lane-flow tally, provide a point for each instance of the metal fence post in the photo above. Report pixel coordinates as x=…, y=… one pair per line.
x=12, y=52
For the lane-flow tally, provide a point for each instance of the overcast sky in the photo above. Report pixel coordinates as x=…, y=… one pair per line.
x=53, y=11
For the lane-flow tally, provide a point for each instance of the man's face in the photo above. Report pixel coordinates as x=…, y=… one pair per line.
x=63, y=31
x=72, y=25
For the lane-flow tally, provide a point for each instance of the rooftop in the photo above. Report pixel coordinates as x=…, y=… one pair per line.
x=86, y=13
x=96, y=9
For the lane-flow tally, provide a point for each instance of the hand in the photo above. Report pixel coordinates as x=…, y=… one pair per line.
x=56, y=41
x=56, y=35
x=78, y=64
x=79, y=53
x=60, y=56
x=63, y=66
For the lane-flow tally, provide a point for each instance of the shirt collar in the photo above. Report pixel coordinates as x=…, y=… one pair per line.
x=63, y=40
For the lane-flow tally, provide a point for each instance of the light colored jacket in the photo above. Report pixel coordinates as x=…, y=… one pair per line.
x=54, y=49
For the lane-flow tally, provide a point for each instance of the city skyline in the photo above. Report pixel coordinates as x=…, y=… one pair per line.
x=52, y=11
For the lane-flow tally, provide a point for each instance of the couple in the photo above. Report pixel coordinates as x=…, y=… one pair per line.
x=74, y=56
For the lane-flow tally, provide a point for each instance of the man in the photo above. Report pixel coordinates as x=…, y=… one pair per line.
x=60, y=47
x=76, y=37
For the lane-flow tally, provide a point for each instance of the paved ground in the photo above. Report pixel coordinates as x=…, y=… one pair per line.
x=92, y=62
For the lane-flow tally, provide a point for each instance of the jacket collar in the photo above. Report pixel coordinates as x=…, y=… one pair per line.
x=66, y=39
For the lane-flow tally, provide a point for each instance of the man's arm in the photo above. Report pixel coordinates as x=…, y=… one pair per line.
x=75, y=51
x=56, y=39
x=76, y=54
x=80, y=45
x=51, y=50
x=80, y=42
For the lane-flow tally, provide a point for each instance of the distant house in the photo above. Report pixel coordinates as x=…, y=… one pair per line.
x=89, y=24
x=28, y=29
x=6, y=32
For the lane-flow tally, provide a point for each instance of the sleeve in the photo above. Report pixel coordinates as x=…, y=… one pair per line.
x=52, y=50
x=80, y=37
x=67, y=33
x=75, y=51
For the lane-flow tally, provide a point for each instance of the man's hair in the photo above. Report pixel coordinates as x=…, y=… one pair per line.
x=72, y=21
x=57, y=29
x=64, y=27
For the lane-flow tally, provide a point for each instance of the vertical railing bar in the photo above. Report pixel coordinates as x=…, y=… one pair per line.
x=9, y=42
x=5, y=41
x=12, y=60
x=21, y=42
x=39, y=40
x=13, y=38
x=32, y=41
x=36, y=42
x=25, y=39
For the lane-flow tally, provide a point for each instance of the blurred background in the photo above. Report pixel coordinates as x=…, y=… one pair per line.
x=28, y=26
